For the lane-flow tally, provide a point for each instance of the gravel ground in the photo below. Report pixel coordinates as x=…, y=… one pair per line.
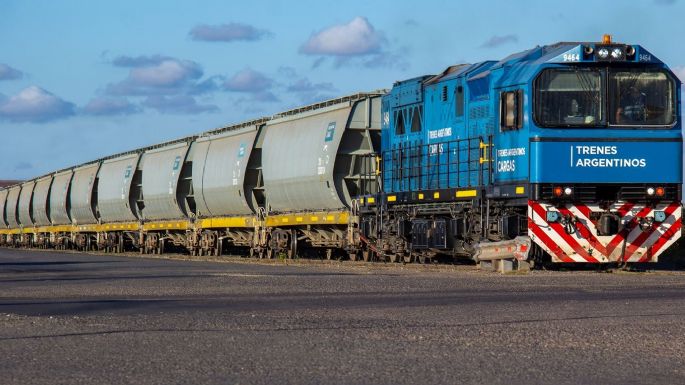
x=74, y=318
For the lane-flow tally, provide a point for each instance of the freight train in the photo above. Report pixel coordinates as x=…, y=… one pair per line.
x=565, y=153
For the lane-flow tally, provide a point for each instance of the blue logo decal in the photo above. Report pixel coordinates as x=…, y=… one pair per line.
x=241, y=150
x=177, y=162
x=330, y=132
x=127, y=173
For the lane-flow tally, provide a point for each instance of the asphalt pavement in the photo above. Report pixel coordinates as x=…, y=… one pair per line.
x=92, y=319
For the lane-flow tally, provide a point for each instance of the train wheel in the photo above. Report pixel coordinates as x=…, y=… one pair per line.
x=353, y=256
x=329, y=254
x=292, y=253
x=407, y=258
x=366, y=255
x=392, y=257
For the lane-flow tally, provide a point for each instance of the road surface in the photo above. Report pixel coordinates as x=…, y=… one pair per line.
x=86, y=319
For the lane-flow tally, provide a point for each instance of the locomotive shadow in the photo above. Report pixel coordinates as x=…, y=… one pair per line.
x=671, y=259
x=54, y=263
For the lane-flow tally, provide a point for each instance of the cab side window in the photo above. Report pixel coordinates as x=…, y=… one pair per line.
x=511, y=110
x=459, y=102
x=399, y=122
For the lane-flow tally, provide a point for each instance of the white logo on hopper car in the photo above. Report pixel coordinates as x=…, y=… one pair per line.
x=323, y=161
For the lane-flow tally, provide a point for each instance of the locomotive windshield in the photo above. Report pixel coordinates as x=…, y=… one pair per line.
x=570, y=97
x=641, y=98
x=580, y=97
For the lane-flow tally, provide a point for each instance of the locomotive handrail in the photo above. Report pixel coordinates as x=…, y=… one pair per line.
x=452, y=164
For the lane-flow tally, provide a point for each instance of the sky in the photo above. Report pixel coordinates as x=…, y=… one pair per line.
x=80, y=80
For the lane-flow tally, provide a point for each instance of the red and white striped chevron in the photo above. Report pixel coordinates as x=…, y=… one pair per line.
x=631, y=244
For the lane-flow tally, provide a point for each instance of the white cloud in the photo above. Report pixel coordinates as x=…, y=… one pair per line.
x=253, y=83
x=139, y=61
x=305, y=85
x=9, y=73
x=34, y=104
x=158, y=75
x=358, y=37
x=180, y=104
x=107, y=106
x=304, y=89
x=249, y=80
x=168, y=85
x=227, y=32
x=496, y=41
x=168, y=73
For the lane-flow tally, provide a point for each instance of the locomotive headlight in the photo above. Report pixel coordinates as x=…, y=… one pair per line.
x=603, y=53
x=552, y=216
x=650, y=191
x=659, y=216
x=630, y=51
x=559, y=191
x=617, y=53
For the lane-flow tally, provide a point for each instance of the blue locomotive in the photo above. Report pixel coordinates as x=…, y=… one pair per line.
x=570, y=152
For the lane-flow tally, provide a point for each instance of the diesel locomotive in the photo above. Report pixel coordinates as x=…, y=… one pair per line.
x=568, y=153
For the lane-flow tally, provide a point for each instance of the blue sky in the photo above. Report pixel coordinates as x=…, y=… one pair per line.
x=83, y=79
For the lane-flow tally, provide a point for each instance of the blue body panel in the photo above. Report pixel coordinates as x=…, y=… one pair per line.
x=460, y=147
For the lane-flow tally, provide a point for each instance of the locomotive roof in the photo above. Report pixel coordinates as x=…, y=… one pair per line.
x=531, y=58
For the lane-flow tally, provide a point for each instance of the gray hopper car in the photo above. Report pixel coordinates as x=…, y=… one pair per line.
x=283, y=183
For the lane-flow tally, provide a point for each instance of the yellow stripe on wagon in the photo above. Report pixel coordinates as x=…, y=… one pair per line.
x=118, y=226
x=176, y=225
x=225, y=222
x=87, y=228
x=466, y=193
x=297, y=219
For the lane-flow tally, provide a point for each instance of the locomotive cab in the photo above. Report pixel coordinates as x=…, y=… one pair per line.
x=605, y=155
